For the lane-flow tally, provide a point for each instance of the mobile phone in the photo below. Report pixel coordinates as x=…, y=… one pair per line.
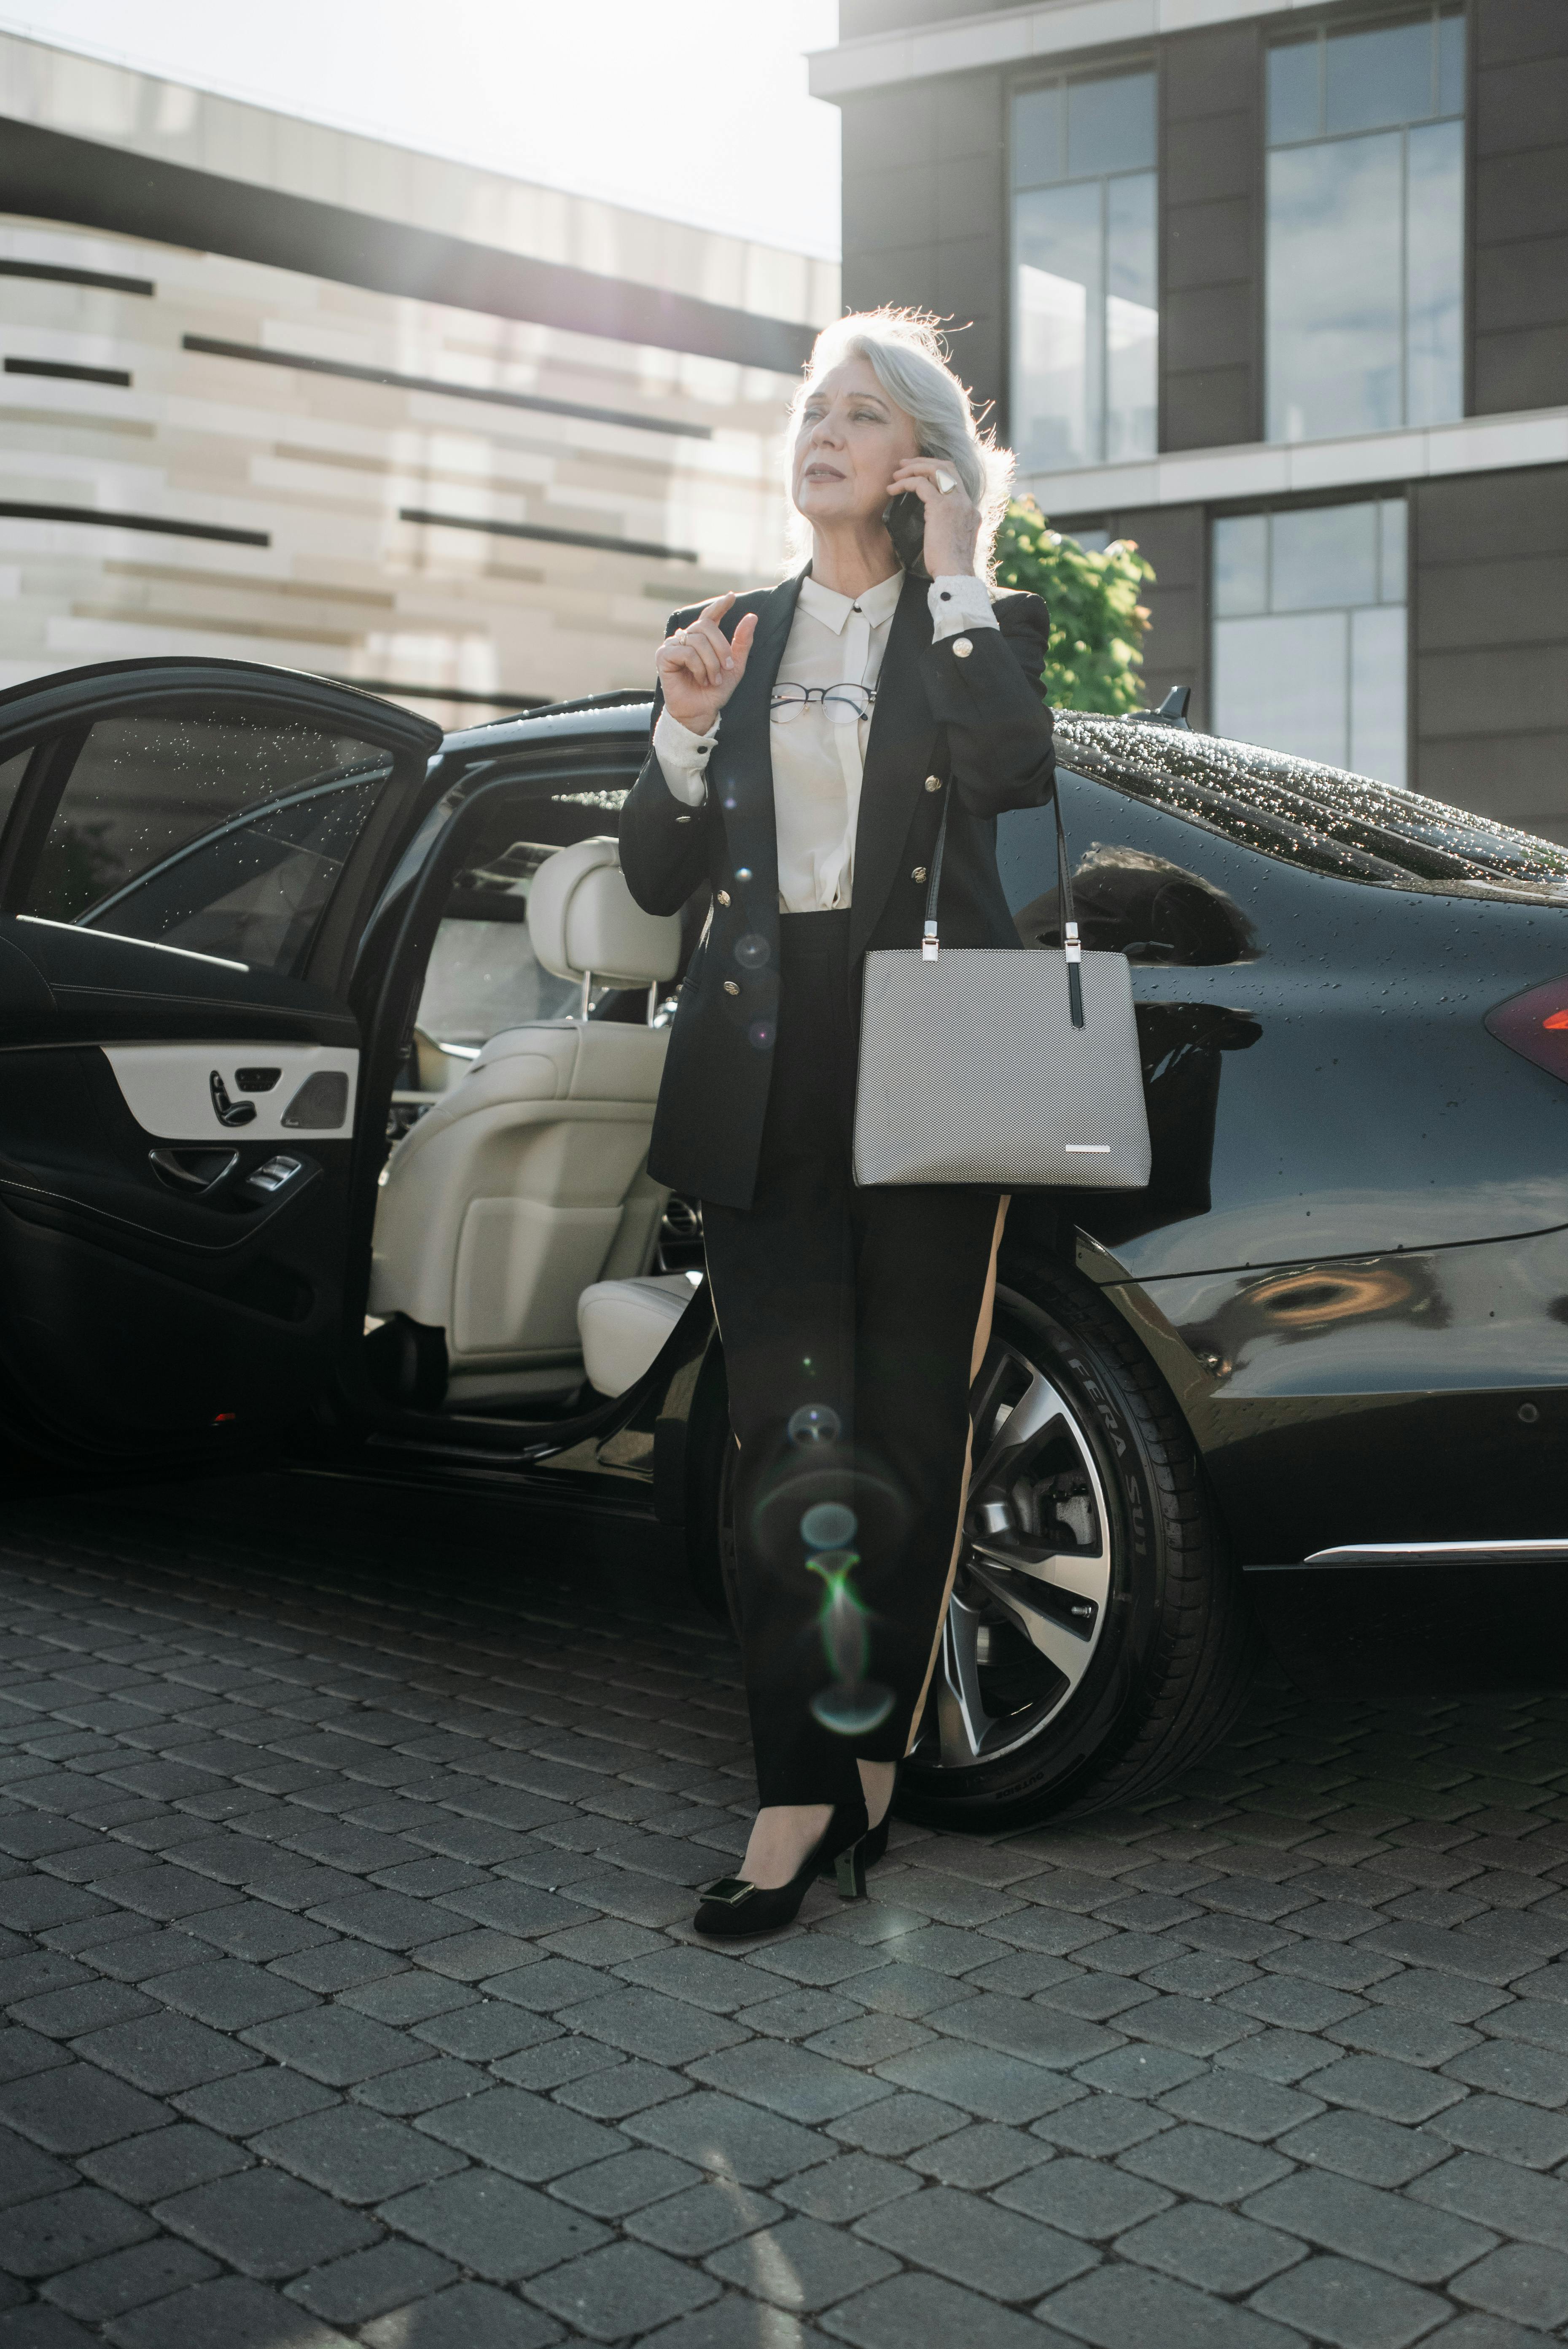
x=903, y=519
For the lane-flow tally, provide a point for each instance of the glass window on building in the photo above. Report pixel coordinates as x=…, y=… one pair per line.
x=1309, y=634
x=1365, y=227
x=1086, y=304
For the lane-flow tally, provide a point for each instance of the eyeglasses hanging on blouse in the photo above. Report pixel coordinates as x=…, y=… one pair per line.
x=845, y=705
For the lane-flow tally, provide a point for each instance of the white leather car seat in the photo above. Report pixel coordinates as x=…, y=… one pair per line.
x=624, y=1325
x=527, y=1181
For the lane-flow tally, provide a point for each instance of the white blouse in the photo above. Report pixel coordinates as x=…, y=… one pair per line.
x=818, y=763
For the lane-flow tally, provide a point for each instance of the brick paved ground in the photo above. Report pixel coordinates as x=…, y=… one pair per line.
x=345, y=1873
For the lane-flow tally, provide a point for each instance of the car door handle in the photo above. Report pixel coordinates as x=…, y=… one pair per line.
x=193, y=1172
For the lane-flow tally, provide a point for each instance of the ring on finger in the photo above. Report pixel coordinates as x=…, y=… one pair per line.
x=945, y=481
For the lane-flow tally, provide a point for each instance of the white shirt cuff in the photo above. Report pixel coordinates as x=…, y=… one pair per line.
x=683, y=759
x=958, y=602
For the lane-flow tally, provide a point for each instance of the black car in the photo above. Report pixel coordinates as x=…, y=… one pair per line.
x=322, y=1134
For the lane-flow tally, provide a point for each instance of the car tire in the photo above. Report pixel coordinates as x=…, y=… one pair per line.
x=1072, y=1673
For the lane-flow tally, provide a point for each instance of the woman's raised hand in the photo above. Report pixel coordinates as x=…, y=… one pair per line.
x=699, y=666
x=952, y=519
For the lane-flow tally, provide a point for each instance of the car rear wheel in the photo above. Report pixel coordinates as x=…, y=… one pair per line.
x=1096, y=1641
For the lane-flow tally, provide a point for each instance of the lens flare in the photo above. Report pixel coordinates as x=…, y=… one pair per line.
x=814, y=1422
x=829, y=1525
x=853, y=1708
x=752, y=951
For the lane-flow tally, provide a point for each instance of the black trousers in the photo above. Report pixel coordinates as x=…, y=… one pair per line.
x=848, y=1319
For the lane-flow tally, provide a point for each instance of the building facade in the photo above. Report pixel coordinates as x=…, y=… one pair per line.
x=279, y=392
x=1280, y=291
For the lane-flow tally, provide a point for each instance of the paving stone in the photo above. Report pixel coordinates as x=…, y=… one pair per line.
x=86, y=2006
x=527, y=2136
x=1039, y=2031
x=1498, y=2194
x=974, y=2243
x=789, y=2080
x=1292, y=2003
x=801, y=2264
x=1127, y=2307
x=705, y=2217
x=1088, y=2198
x=355, y=2156
x=107, y=2287
x=1140, y=2071
x=406, y=1998
x=266, y=2225
x=1378, y=2084
x=75, y=2107
x=256, y=2100
x=1359, y=2145
x=487, y=2222
x=421, y=2087
x=978, y=2080
x=237, y=2313
x=25, y=2173
x=721, y=2133
x=464, y=2316
x=627, y=2182
x=622, y=2292
x=1352, y=2306
x=921, y=2312
x=60, y=2231
x=612, y=2093
x=484, y=2032
x=645, y=2022
x=1211, y=2248
x=1387, y=2230
x=799, y=2014
x=981, y=2154
x=1244, y=2107
x=367, y=2283
x=333, y=2044
x=1521, y=2280
x=1100, y=2124
x=1532, y=2074
x=168, y=2160
x=1513, y=2131
x=849, y=2187
x=165, y=2053
x=1206, y=2163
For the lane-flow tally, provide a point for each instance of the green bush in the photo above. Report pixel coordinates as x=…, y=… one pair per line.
x=1098, y=622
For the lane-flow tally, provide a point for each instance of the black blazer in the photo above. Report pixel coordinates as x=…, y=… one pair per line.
x=979, y=718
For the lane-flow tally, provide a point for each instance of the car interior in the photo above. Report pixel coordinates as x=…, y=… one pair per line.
x=516, y=1218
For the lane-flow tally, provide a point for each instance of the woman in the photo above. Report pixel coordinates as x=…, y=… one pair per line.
x=807, y=742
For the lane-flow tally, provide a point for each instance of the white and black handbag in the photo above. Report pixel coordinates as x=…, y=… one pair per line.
x=1011, y=1067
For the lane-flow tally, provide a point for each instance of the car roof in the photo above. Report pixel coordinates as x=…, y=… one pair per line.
x=1314, y=815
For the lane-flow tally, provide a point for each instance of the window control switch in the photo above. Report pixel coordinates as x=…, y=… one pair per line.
x=257, y=1081
x=273, y=1173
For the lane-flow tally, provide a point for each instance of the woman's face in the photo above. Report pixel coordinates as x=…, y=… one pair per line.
x=850, y=440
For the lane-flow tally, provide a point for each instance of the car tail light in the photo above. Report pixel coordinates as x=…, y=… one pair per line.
x=1536, y=1024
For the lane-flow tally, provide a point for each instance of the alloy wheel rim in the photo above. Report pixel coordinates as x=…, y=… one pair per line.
x=1033, y=1590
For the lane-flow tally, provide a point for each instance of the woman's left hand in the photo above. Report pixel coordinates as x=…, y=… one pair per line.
x=952, y=521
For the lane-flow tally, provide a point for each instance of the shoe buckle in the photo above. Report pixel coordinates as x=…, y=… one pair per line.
x=729, y=1892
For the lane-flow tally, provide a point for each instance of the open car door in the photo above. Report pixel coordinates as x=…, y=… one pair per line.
x=189, y=852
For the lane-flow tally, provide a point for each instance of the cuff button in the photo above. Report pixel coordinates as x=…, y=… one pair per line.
x=919, y=873
x=724, y=896
x=962, y=647
x=731, y=986
x=933, y=783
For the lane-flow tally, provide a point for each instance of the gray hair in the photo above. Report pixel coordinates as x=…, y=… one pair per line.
x=905, y=351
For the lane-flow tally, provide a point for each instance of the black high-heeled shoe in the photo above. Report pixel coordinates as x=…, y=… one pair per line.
x=873, y=1843
x=734, y=1906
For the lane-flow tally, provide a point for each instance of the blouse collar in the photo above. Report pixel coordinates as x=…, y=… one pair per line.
x=834, y=611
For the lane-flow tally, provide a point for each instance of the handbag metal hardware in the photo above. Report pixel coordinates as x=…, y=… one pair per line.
x=978, y=1065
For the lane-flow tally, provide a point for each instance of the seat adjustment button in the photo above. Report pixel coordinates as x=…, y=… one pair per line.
x=962, y=647
x=731, y=987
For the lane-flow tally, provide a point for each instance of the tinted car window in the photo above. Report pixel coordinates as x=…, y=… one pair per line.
x=221, y=831
x=1314, y=815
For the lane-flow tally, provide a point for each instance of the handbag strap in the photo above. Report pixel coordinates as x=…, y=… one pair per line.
x=931, y=943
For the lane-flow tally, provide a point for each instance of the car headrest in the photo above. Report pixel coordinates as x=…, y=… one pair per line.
x=583, y=918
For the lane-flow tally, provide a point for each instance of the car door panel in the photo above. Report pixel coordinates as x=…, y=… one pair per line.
x=181, y=879
x=203, y=1091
